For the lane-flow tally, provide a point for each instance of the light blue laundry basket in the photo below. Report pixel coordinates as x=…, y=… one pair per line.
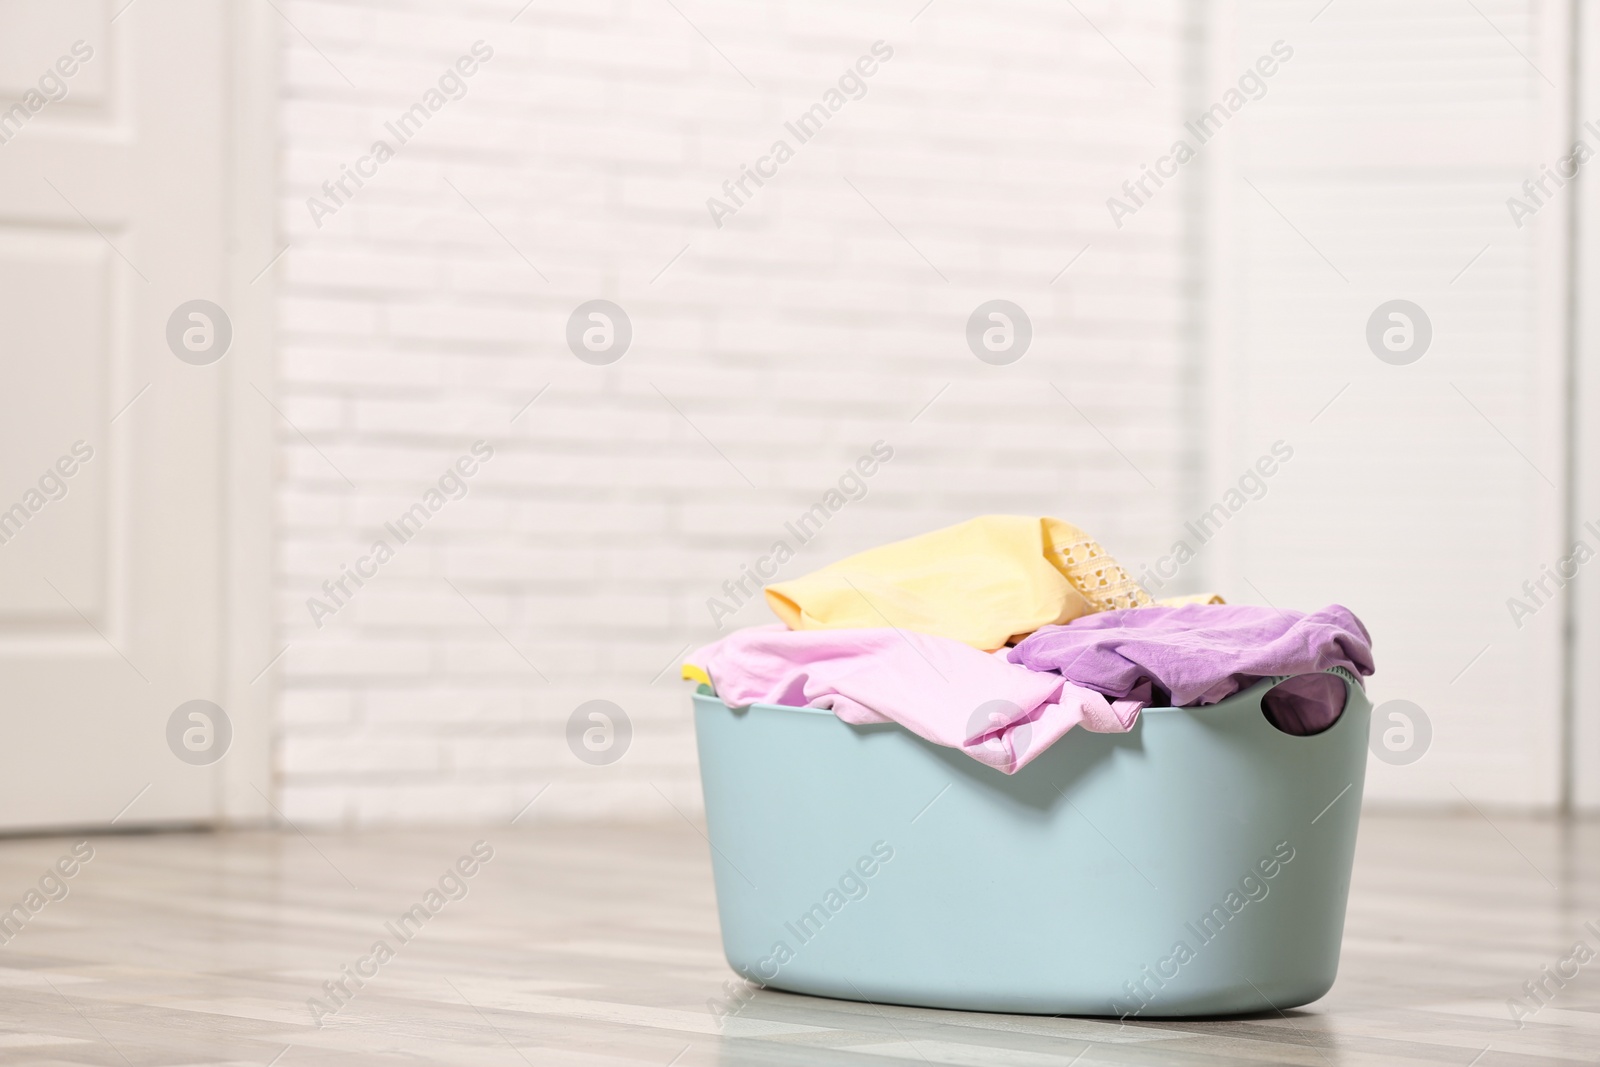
x=868, y=864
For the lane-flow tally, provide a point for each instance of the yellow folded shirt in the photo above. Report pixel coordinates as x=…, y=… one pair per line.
x=1191, y=598
x=984, y=582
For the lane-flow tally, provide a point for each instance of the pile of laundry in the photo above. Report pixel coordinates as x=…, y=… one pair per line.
x=998, y=635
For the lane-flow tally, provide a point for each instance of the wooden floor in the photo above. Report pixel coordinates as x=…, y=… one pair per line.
x=599, y=946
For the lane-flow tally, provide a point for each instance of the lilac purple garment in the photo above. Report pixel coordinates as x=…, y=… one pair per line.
x=1202, y=653
x=995, y=711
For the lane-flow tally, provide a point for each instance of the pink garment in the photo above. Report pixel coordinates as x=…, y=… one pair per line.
x=997, y=712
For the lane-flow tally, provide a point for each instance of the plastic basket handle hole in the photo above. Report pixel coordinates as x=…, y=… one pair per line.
x=1305, y=704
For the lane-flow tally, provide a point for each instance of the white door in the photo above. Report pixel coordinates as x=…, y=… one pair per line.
x=113, y=449
x=1380, y=307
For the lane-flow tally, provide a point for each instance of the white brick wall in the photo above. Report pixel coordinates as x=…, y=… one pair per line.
x=795, y=336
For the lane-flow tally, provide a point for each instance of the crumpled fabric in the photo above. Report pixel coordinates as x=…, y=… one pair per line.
x=1199, y=654
x=998, y=712
x=983, y=582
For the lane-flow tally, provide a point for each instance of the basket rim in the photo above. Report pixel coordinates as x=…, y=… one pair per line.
x=1258, y=688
